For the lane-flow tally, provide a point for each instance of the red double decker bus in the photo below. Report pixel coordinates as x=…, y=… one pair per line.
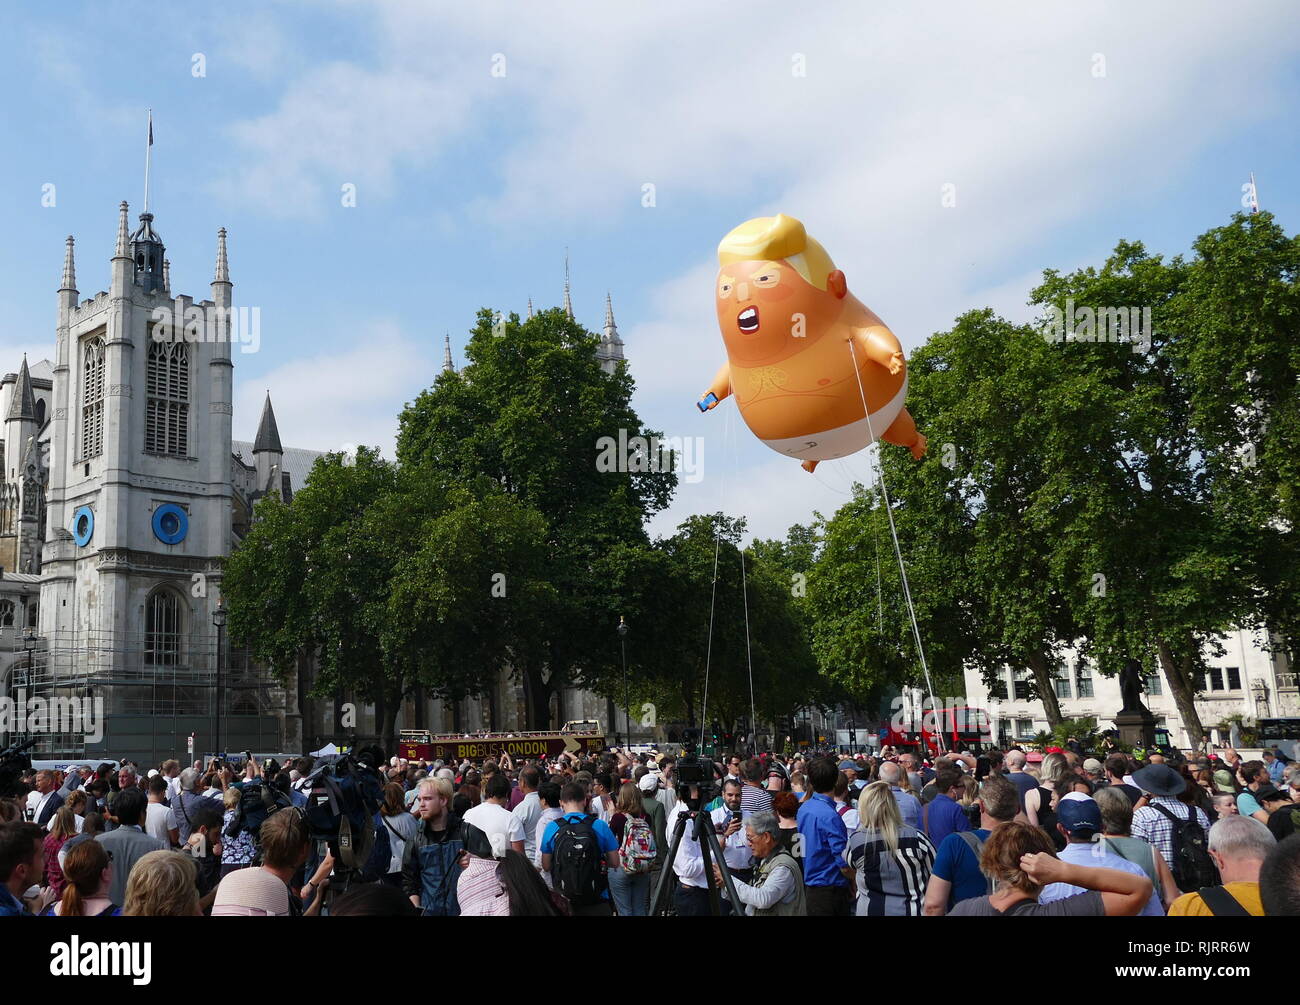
x=942, y=729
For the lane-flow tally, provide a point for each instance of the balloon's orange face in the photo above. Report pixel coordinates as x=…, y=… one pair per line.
x=767, y=311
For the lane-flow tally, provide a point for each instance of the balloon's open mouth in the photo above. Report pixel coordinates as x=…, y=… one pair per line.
x=747, y=320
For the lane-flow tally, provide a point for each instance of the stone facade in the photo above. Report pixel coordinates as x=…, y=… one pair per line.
x=1246, y=680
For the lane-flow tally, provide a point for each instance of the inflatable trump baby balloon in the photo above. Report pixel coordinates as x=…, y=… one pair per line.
x=795, y=336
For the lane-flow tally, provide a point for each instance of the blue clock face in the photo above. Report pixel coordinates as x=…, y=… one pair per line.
x=83, y=525
x=170, y=523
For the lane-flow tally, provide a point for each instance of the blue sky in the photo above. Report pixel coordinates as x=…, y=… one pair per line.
x=1062, y=128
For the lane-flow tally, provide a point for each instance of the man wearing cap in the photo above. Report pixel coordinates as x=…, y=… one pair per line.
x=1078, y=818
x=852, y=770
x=1283, y=814
x=1239, y=845
x=1276, y=765
x=648, y=783
x=1095, y=773
x=1155, y=822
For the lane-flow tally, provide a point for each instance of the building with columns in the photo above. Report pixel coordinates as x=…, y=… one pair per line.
x=1246, y=680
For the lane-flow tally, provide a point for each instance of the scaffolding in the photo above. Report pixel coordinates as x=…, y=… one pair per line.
x=154, y=698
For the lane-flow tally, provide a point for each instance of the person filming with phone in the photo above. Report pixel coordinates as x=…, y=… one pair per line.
x=727, y=819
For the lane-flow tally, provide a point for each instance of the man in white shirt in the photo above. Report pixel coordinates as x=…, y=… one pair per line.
x=157, y=821
x=602, y=798
x=171, y=772
x=529, y=810
x=503, y=828
x=691, y=896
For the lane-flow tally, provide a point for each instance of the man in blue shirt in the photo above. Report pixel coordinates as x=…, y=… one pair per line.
x=573, y=801
x=1079, y=819
x=22, y=863
x=908, y=805
x=1276, y=767
x=943, y=816
x=821, y=839
x=956, y=875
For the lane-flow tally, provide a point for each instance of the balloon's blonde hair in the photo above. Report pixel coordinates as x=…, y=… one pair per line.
x=777, y=238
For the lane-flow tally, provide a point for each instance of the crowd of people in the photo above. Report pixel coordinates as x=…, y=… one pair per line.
x=889, y=834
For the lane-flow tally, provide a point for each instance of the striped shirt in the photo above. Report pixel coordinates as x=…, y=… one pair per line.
x=479, y=892
x=890, y=884
x=755, y=799
x=1155, y=828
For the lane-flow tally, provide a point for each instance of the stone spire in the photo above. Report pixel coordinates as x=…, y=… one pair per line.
x=23, y=403
x=447, y=366
x=222, y=274
x=69, y=268
x=610, y=353
x=268, y=435
x=123, y=233
x=568, y=303
x=530, y=308
x=611, y=332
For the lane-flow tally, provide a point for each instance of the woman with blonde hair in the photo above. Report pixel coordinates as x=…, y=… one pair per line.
x=87, y=873
x=1020, y=861
x=630, y=890
x=163, y=884
x=1039, y=801
x=891, y=860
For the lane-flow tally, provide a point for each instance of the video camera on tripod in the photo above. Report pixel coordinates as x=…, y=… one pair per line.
x=696, y=787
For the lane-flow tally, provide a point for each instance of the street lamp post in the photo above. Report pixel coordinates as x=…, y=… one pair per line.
x=219, y=620
x=627, y=705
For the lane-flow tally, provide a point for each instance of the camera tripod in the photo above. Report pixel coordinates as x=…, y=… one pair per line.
x=710, y=852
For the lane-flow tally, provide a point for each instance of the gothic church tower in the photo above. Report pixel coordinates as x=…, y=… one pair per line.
x=139, y=495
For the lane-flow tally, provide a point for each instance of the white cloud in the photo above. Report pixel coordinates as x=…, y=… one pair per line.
x=349, y=396
x=1000, y=101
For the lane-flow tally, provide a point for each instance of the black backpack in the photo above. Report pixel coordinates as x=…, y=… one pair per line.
x=576, y=860
x=1192, y=866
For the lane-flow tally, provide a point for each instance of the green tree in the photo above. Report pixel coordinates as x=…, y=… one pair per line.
x=386, y=580
x=534, y=412
x=1238, y=312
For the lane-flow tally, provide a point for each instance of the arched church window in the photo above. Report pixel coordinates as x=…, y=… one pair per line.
x=162, y=620
x=92, y=397
x=6, y=613
x=167, y=413
x=40, y=411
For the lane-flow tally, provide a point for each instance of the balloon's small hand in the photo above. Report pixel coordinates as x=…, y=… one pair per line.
x=896, y=363
x=708, y=401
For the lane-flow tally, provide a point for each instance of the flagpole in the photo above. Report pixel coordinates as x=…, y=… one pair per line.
x=148, y=150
